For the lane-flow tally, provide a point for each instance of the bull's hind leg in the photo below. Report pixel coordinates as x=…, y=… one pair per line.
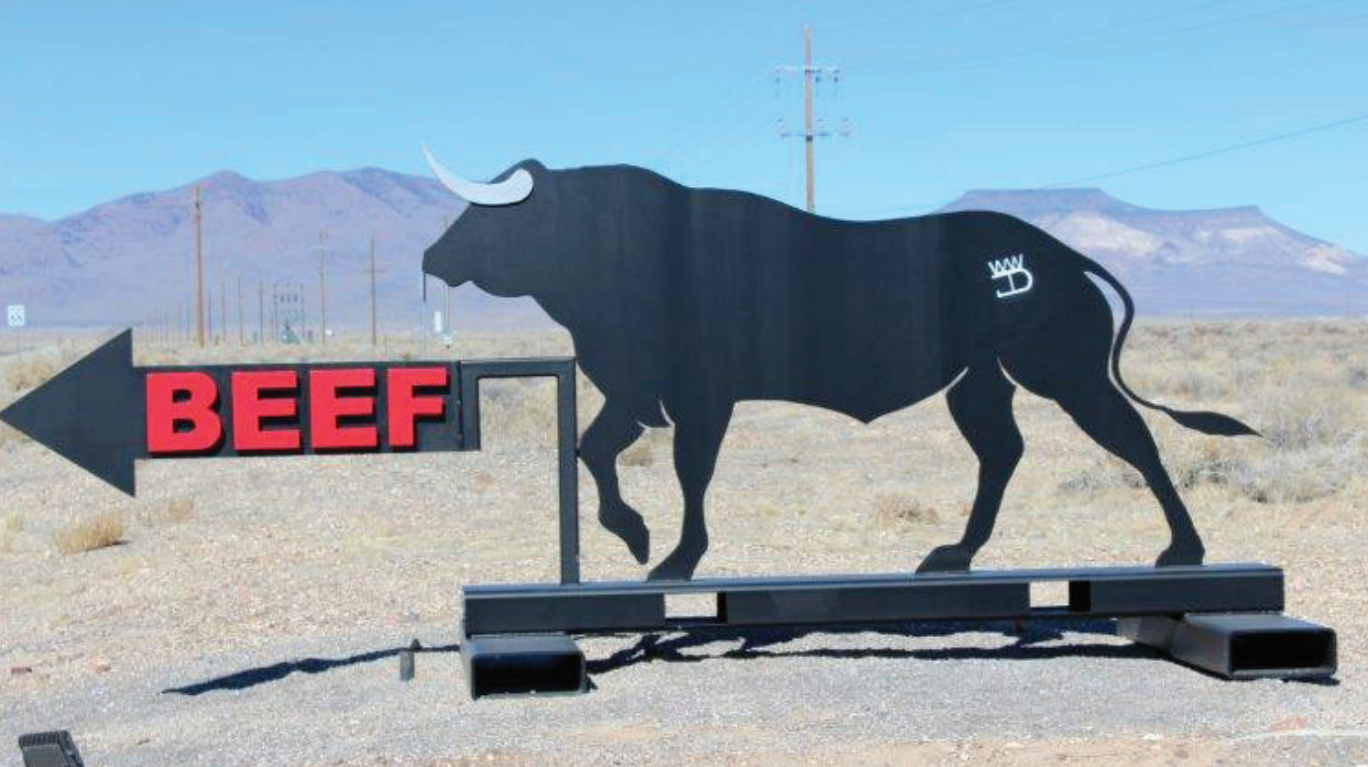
x=1112, y=421
x=613, y=430
x=698, y=438
x=1066, y=361
x=981, y=404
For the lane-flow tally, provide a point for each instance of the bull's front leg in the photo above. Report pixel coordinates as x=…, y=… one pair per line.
x=698, y=438
x=614, y=429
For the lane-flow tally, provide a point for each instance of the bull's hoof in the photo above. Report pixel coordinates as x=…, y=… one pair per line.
x=678, y=566
x=626, y=523
x=1175, y=555
x=946, y=559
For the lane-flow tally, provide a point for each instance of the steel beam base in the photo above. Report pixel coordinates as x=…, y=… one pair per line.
x=1240, y=646
x=1108, y=592
x=1234, y=627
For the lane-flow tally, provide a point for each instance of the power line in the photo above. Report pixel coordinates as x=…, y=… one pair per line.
x=1063, y=41
x=1078, y=42
x=694, y=140
x=1211, y=152
x=1159, y=163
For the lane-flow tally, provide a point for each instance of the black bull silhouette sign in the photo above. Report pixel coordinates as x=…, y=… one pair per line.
x=683, y=302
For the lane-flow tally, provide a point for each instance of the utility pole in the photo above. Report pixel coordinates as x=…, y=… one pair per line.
x=446, y=289
x=372, y=290
x=242, y=324
x=807, y=115
x=223, y=311
x=322, y=249
x=812, y=128
x=199, y=269
x=261, y=310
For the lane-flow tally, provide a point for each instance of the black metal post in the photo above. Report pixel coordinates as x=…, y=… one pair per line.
x=567, y=436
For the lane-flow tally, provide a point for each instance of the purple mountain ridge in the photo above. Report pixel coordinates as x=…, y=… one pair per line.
x=132, y=259
x=1219, y=262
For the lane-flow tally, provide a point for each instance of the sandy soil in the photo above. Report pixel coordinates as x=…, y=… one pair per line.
x=296, y=580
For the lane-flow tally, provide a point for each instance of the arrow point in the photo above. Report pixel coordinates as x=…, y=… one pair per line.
x=90, y=413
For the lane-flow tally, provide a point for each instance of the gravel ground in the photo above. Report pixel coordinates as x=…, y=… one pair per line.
x=901, y=693
x=261, y=626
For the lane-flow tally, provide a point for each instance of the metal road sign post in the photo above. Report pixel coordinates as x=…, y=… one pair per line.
x=15, y=318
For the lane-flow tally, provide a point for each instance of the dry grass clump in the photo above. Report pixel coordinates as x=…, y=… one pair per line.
x=1357, y=377
x=1300, y=384
x=170, y=512
x=899, y=509
x=22, y=373
x=10, y=526
x=1297, y=421
x=100, y=531
x=25, y=372
x=519, y=413
x=642, y=453
x=639, y=454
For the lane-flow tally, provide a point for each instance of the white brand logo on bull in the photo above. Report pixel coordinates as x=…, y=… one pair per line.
x=1009, y=269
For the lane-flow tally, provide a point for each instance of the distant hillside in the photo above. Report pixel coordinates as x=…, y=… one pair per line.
x=127, y=259
x=1226, y=261
x=131, y=258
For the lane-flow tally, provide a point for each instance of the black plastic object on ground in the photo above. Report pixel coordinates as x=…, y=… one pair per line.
x=50, y=749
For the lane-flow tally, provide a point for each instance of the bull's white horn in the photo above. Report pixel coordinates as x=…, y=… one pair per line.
x=510, y=191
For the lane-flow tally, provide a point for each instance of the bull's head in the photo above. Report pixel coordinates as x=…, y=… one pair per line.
x=498, y=240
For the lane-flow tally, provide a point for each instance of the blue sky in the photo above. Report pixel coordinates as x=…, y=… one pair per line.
x=103, y=99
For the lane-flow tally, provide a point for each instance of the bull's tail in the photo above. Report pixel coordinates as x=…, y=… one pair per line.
x=1199, y=420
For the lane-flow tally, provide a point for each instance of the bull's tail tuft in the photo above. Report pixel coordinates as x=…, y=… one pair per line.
x=1204, y=421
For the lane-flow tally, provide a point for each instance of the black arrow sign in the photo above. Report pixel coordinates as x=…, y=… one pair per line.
x=103, y=414
x=90, y=413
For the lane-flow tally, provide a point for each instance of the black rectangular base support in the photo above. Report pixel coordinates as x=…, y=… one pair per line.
x=979, y=594
x=537, y=664
x=1240, y=646
x=1234, y=628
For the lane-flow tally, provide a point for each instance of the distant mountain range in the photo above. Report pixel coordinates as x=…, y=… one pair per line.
x=1224, y=261
x=132, y=258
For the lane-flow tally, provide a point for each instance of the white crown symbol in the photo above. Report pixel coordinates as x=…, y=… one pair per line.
x=1004, y=266
x=1009, y=269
